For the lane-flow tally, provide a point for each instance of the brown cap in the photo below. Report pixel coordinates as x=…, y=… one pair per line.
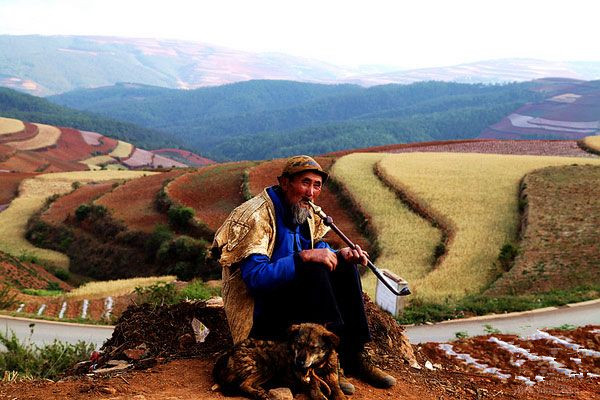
x=299, y=164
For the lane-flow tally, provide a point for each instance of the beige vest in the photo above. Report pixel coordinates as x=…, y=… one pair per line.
x=249, y=229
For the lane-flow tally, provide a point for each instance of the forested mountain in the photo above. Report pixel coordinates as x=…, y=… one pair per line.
x=25, y=107
x=264, y=119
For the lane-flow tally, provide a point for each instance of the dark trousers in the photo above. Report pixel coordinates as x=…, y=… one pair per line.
x=331, y=298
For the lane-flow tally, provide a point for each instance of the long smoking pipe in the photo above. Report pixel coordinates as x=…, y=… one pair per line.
x=328, y=221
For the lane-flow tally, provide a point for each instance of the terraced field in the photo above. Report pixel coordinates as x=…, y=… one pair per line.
x=139, y=195
x=47, y=136
x=560, y=245
x=477, y=193
x=33, y=193
x=211, y=191
x=10, y=125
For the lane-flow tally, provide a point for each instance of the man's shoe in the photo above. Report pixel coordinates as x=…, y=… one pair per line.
x=347, y=388
x=367, y=371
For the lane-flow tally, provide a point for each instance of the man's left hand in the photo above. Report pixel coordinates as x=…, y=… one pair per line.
x=355, y=256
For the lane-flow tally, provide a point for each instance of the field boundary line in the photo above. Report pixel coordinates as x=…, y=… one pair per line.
x=436, y=219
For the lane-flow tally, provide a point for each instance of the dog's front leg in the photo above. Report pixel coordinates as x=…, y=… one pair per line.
x=332, y=380
x=252, y=387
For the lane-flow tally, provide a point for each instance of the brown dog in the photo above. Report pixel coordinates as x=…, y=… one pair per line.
x=308, y=361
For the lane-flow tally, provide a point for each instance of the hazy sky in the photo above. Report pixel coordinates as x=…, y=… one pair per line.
x=406, y=34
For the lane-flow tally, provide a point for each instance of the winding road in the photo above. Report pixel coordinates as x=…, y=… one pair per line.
x=520, y=323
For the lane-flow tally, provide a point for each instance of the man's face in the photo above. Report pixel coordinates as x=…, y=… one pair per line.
x=302, y=187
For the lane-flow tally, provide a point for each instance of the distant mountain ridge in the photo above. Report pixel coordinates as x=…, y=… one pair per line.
x=45, y=65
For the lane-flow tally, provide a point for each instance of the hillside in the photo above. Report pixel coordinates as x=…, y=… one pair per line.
x=570, y=110
x=25, y=107
x=234, y=122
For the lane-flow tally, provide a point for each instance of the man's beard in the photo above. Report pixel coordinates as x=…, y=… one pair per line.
x=299, y=213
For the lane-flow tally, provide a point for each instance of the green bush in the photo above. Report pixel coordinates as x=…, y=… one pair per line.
x=75, y=185
x=94, y=211
x=48, y=361
x=43, y=292
x=158, y=294
x=507, y=255
x=197, y=290
x=160, y=235
x=62, y=274
x=180, y=216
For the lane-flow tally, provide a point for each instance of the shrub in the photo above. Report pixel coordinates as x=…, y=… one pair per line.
x=507, y=255
x=76, y=185
x=180, y=216
x=53, y=286
x=48, y=361
x=197, y=290
x=27, y=256
x=82, y=212
x=62, y=274
x=94, y=211
x=160, y=235
x=158, y=294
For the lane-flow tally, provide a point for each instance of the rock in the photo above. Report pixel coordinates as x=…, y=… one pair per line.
x=186, y=341
x=281, y=394
x=214, y=302
x=120, y=367
x=429, y=365
x=108, y=390
x=437, y=366
x=215, y=387
x=114, y=363
x=415, y=365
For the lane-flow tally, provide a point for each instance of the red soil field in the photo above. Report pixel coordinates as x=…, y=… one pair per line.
x=564, y=148
x=9, y=183
x=71, y=146
x=213, y=191
x=106, y=145
x=26, y=275
x=392, y=147
x=29, y=132
x=266, y=173
x=31, y=161
x=6, y=152
x=495, y=354
x=187, y=157
x=66, y=205
x=133, y=202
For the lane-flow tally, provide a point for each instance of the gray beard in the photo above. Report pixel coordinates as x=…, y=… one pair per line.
x=300, y=214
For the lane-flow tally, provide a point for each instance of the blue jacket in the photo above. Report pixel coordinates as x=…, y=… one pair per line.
x=261, y=273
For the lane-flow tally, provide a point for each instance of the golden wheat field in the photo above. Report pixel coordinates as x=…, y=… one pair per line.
x=9, y=125
x=47, y=136
x=407, y=241
x=116, y=287
x=122, y=150
x=593, y=142
x=32, y=195
x=477, y=193
x=98, y=161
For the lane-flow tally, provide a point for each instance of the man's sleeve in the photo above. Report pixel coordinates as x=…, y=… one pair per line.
x=324, y=245
x=259, y=273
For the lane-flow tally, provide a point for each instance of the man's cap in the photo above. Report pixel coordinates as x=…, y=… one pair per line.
x=303, y=163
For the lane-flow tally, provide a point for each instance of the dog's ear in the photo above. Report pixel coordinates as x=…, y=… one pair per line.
x=293, y=330
x=332, y=339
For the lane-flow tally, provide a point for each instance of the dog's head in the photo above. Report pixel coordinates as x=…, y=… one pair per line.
x=311, y=345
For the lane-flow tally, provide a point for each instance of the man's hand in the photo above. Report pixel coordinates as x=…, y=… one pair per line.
x=321, y=256
x=355, y=256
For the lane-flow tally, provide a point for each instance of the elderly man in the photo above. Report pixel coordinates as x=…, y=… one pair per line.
x=277, y=271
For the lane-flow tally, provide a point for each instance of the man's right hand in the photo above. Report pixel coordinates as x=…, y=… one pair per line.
x=320, y=256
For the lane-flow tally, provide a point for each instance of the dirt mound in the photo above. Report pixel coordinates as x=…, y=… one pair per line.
x=145, y=332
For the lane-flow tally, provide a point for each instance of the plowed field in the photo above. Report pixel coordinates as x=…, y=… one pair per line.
x=71, y=146
x=9, y=185
x=66, y=205
x=133, y=202
x=213, y=191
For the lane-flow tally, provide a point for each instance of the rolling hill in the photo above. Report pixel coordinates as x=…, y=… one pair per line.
x=266, y=119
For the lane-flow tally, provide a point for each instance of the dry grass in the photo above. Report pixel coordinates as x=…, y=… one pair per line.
x=407, y=241
x=47, y=136
x=9, y=125
x=115, y=288
x=593, y=143
x=122, y=150
x=32, y=195
x=98, y=161
x=478, y=193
